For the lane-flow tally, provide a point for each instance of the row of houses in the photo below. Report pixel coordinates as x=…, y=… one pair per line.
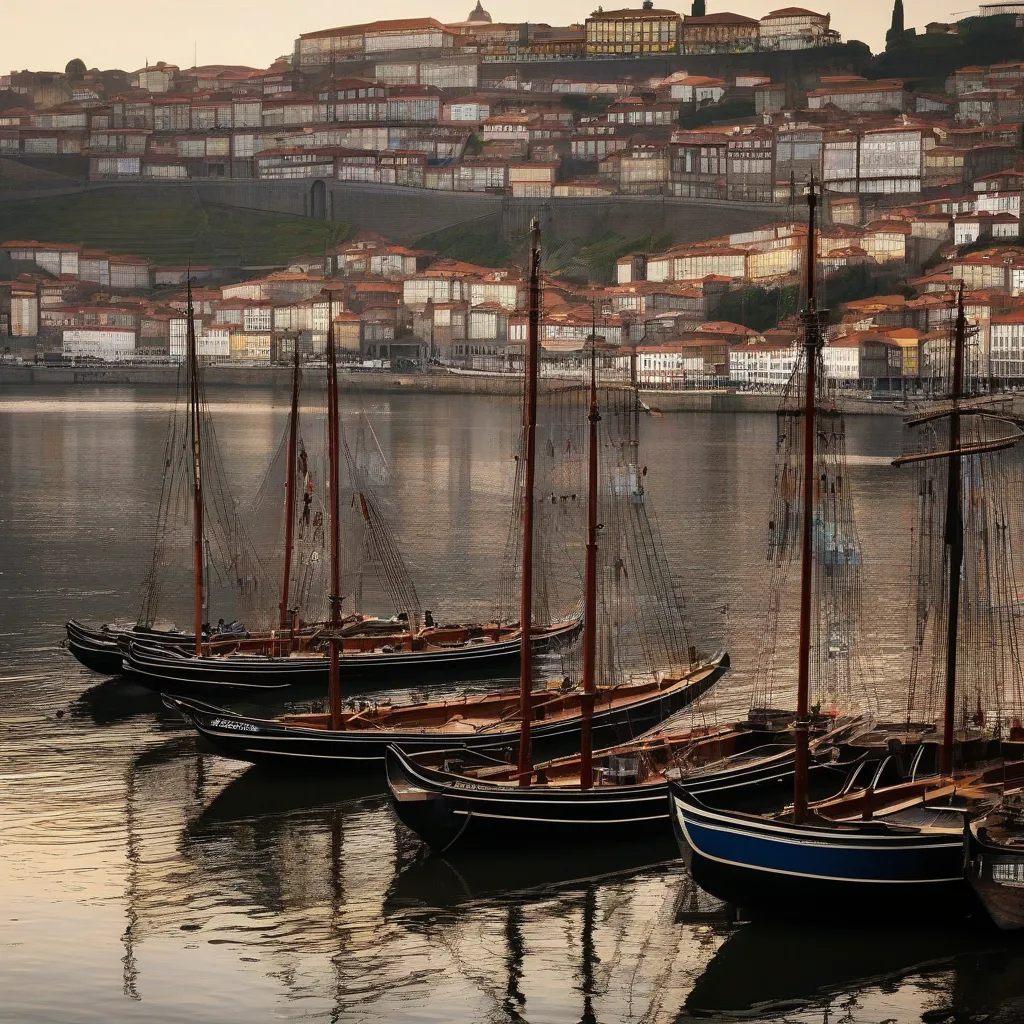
x=389, y=303
x=859, y=137
x=627, y=32
x=752, y=162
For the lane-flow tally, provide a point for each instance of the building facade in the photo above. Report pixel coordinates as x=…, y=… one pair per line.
x=632, y=32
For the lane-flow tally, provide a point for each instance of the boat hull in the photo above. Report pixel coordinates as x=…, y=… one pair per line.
x=103, y=650
x=446, y=809
x=96, y=649
x=444, y=817
x=996, y=874
x=275, y=744
x=185, y=674
x=772, y=867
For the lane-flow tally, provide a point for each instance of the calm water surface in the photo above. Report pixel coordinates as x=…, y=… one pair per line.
x=143, y=880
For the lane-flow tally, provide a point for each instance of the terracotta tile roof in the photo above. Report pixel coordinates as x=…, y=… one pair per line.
x=722, y=18
x=395, y=25
x=790, y=12
x=631, y=13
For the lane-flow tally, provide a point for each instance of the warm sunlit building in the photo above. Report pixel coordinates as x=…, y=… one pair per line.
x=633, y=31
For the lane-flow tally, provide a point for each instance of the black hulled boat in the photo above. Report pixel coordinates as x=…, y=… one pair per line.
x=900, y=843
x=456, y=797
x=360, y=738
x=244, y=666
x=451, y=798
x=555, y=718
x=193, y=487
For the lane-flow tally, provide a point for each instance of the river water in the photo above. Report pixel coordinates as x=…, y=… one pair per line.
x=144, y=880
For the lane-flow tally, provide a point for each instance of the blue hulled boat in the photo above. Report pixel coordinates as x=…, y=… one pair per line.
x=867, y=843
x=775, y=865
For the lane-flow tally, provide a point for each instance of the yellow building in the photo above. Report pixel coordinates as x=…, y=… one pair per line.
x=347, y=331
x=909, y=341
x=646, y=30
x=250, y=346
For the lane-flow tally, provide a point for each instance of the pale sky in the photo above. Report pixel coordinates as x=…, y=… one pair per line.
x=125, y=33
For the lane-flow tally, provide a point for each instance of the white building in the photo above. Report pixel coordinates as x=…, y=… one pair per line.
x=841, y=360
x=507, y=128
x=696, y=264
x=1006, y=358
x=668, y=364
x=212, y=340
x=111, y=346
x=378, y=39
x=698, y=89
x=891, y=160
x=497, y=289
x=970, y=227
x=794, y=28
x=469, y=111
x=998, y=202
x=24, y=321
x=762, y=364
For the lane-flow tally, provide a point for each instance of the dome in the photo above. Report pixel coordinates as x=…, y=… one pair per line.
x=478, y=14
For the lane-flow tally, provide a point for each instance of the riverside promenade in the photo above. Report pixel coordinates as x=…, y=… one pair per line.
x=436, y=381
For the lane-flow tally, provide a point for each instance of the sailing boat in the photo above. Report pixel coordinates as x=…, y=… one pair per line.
x=388, y=650
x=103, y=648
x=981, y=629
x=450, y=797
x=349, y=740
x=905, y=841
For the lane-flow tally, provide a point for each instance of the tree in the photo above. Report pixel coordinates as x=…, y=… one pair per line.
x=699, y=9
x=895, y=34
x=74, y=68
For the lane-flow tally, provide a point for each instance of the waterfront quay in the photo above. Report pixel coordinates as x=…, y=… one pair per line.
x=382, y=382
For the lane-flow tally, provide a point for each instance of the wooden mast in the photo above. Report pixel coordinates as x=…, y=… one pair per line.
x=812, y=343
x=197, y=476
x=590, y=586
x=334, y=685
x=954, y=538
x=289, y=495
x=529, y=454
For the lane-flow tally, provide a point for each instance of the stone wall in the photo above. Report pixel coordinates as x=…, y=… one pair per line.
x=405, y=214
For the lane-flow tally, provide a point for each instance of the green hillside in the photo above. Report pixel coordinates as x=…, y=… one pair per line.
x=168, y=230
x=590, y=259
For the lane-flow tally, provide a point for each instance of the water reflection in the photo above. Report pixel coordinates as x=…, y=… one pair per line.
x=432, y=886
x=116, y=700
x=142, y=878
x=773, y=968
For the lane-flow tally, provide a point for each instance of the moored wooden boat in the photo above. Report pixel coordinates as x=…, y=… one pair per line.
x=995, y=862
x=102, y=648
x=238, y=665
x=450, y=798
x=95, y=647
x=903, y=844
x=492, y=721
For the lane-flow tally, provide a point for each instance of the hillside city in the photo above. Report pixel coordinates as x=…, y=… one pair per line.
x=919, y=158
